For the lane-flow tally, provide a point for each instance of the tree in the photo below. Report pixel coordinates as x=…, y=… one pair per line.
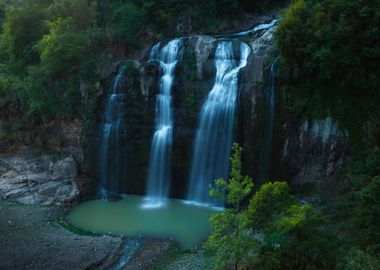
x=357, y=259
x=329, y=63
x=230, y=239
x=275, y=231
x=83, y=12
x=294, y=236
x=126, y=22
x=66, y=54
x=64, y=47
x=18, y=40
x=359, y=205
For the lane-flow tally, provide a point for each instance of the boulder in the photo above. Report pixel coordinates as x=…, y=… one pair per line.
x=31, y=178
x=64, y=169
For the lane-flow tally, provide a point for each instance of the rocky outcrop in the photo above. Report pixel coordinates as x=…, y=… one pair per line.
x=314, y=150
x=33, y=178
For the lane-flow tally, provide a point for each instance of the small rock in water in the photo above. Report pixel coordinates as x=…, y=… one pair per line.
x=113, y=198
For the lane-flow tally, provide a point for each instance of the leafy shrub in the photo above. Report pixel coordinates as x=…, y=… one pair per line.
x=274, y=232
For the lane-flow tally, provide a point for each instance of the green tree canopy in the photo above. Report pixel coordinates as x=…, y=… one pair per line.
x=330, y=50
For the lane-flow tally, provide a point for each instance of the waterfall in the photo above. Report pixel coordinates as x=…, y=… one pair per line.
x=159, y=165
x=215, y=133
x=258, y=28
x=112, y=151
x=270, y=102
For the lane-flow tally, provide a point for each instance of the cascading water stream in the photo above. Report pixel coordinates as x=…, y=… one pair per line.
x=214, y=135
x=112, y=151
x=159, y=166
x=270, y=102
x=258, y=28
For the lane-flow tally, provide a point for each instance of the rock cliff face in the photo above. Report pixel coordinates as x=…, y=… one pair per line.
x=300, y=151
x=275, y=148
x=314, y=150
x=194, y=78
x=32, y=178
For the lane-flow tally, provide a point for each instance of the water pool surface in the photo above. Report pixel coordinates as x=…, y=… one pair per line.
x=185, y=222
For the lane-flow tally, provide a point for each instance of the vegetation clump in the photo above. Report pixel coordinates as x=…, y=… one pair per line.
x=329, y=63
x=275, y=231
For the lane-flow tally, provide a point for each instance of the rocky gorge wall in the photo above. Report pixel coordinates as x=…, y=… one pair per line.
x=301, y=151
x=299, y=154
x=194, y=77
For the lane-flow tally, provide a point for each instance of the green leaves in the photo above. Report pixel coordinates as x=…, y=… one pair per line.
x=274, y=232
x=231, y=239
x=83, y=12
x=329, y=62
x=18, y=39
x=361, y=203
x=237, y=188
x=63, y=49
x=126, y=22
x=357, y=259
x=46, y=49
x=269, y=203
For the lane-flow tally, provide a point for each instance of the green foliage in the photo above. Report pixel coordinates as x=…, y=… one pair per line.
x=41, y=70
x=64, y=47
x=360, y=204
x=329, y=66
x=329, y=62
x=65, y=53
x=274, y=232
x=229, y=238
x=41, y=100
x=357, y=259
x=83, y=12
x=51, y=49
x=129, y=20
x=237, y=187
x=268, y=203
x=18, y=40
x=293, y=235
x=4, y=4
x=126, y=23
